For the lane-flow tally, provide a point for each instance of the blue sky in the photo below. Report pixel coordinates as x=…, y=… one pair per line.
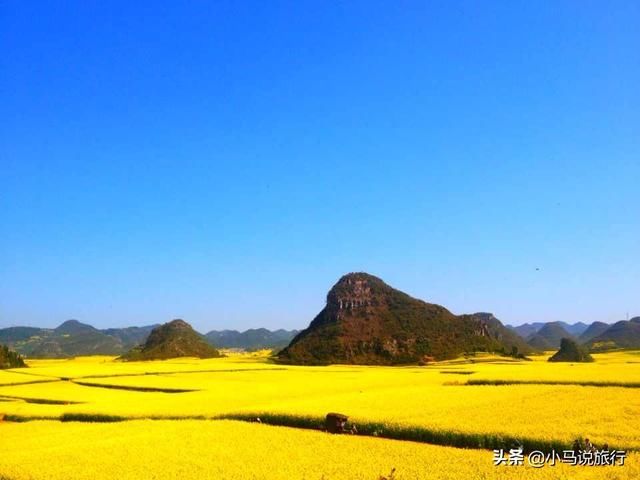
x=227, y=162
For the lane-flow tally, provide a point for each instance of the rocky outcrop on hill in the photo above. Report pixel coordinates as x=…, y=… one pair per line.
x=514, y=344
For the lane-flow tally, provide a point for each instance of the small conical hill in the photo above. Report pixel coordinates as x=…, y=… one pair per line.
x=170, y=340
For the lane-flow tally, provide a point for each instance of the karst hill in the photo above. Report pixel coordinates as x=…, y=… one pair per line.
x=570, y=351
x=365, y=321
x=173, y=339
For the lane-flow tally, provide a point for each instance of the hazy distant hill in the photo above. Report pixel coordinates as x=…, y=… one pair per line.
x=549, y=336
x=12, y=335
x=173, y=339
x=575, y=329
x=131, y=336
x=252, y=339
x=72, y=338
x=622, y=334
x=597, y=336
x=595, y=329
x=365, y=321
x=528, y=329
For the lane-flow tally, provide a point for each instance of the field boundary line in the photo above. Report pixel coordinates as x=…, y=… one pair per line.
x=449, y=438
x=587, y=383
x=418, y=434
x=134, y=388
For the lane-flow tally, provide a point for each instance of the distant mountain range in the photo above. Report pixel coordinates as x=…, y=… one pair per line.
x=598, y=336
x=253, y=339
x=622, y=334
x=74, y=338
x=527, y=329
x=415, y=329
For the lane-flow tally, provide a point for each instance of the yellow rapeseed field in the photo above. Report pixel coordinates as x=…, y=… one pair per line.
x=191, y=449
x=556, y=404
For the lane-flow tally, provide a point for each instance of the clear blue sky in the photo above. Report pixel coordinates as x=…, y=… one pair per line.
x=226, y=162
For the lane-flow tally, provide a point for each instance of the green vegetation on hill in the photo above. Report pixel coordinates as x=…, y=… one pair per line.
x=72, y=338
x=514, y=344
x=10, y=359
x=170, y=340
x=365, y=321
x=12, y=335
x=622, y=334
